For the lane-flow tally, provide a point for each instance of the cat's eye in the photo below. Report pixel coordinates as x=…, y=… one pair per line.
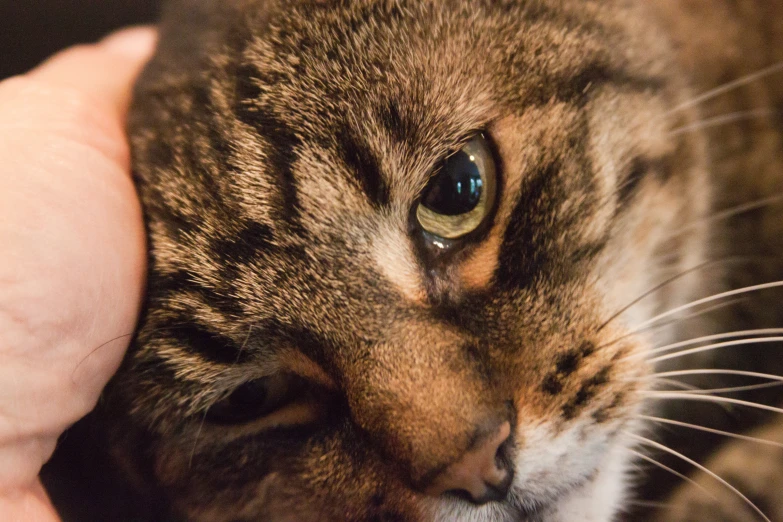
x=462, y=193
x=253, y=400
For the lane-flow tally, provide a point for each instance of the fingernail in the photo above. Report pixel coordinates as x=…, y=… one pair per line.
x=135, y=42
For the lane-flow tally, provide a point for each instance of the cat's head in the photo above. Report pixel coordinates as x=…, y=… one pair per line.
x=388, y=243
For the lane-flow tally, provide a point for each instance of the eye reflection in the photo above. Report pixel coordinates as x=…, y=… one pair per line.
x=461, y=195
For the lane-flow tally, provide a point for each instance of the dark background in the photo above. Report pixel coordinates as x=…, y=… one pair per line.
x=31, y=30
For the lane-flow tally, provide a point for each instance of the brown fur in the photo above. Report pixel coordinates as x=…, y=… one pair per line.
x=279, y=149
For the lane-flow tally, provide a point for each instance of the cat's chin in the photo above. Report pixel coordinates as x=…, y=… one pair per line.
x=597, y=499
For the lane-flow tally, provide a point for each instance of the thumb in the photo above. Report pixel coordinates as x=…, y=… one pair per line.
x=85, y=87
x=105, y=71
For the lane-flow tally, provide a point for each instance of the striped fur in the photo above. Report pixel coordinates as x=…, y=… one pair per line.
x=279, y=148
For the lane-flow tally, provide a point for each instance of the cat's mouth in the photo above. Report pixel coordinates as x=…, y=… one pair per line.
x=535, y=499
x=547, y=479
x=521, y=505
x=518, y=506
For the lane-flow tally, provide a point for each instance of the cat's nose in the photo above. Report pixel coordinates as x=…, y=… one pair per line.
x=482, y=474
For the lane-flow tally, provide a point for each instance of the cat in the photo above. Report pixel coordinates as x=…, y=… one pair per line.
x=420, y=260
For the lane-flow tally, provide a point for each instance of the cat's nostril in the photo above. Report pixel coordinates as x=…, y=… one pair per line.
x=482, y=475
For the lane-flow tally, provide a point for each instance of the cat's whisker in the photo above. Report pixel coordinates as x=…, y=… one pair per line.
x=711, y=299
x=669, y=281
x=671, y=382
x=724, y=119
x=739, y=373
x=666, y=449
x=665, y=378
x=716, y=346
x=726, y=88
x=688, y=388
x=729, y=434
x=661, y=396
x=735, y=389
x=244, y=344
x=709, y=338
x=653, y=290
x=649, y=504
x=195, y=440
x=676, y=473
x=728, y=214
x=692, y=315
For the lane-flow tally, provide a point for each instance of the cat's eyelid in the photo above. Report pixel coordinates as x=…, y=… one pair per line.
x=297, y=363
x=296, y=413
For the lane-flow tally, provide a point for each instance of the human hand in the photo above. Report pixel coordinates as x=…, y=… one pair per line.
x=72, y=252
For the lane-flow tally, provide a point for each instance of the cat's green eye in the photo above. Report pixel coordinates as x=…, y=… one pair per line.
x=462, y=193
x=252, y=400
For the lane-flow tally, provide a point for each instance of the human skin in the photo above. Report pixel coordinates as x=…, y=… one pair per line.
x=72, y=252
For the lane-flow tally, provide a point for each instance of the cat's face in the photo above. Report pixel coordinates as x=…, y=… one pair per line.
x=388, y=240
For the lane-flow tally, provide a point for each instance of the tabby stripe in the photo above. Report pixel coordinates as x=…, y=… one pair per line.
x=197, y=339
x=298, y=337
x=280, y=139
x=282, y=143
x=523, y=254
x=247, y=88
x=175, y=222
x=574, y=88
x=173, y=285
x=244, y=246
x=401, y=130
x=629, y=184
x=604, y=413
x=364, y=166
x=590, y=251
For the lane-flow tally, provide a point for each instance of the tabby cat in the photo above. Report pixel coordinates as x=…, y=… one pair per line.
x=419, y=260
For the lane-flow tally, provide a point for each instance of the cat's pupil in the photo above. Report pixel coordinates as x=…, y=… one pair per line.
x=457, y=189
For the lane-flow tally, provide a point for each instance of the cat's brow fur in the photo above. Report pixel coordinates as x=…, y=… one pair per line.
x=279, y=148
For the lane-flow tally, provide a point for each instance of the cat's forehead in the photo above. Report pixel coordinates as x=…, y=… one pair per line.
x=337, y=72
x=388, y=89
x=428, y=68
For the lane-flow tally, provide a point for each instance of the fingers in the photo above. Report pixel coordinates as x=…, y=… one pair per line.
x=104, y=71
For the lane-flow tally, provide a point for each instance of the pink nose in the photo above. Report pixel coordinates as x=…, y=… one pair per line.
x=480, y=475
